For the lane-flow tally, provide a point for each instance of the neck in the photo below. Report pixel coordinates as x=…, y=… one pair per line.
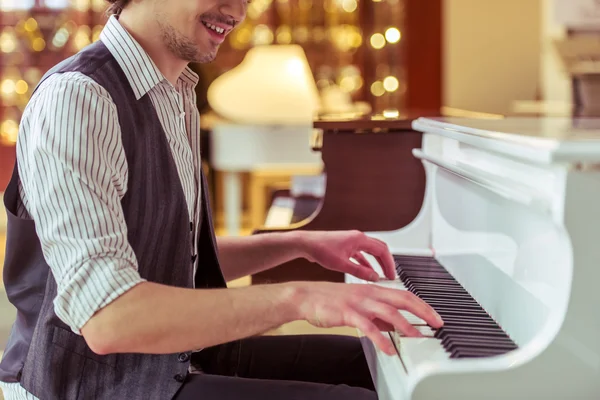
x=145, y=30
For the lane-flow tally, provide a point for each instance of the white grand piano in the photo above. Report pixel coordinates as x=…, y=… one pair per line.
x=507, y=249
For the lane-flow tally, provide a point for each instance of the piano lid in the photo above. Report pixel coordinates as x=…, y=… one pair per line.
x=541, y=140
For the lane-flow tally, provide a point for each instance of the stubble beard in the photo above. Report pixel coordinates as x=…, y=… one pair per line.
x=182, y=46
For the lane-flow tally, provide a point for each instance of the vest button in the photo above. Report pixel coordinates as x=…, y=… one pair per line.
x=179, y=378
x=183, y=357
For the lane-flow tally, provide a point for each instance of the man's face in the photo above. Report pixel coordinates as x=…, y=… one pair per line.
x=194, y=29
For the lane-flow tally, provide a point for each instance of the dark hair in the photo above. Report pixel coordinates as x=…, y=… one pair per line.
x=116, y=6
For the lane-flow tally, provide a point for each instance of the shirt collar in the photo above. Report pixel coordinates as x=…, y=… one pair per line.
x=141, y=72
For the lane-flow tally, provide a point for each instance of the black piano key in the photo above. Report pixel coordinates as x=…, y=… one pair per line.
x=449, y=339
x=482, y=318
x=474, y=353
x=452, y=306
x=449, y=313
x=442, y=294
x=451, y=323
x=468, y=331
x=481, y=344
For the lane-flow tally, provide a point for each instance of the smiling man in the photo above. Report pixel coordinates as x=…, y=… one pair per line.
x=111, y=259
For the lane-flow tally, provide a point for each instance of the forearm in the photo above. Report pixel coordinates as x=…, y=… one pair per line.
x=242, y=256
x=158, y=319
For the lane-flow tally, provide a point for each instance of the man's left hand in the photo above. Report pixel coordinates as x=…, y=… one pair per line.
x=333, y=250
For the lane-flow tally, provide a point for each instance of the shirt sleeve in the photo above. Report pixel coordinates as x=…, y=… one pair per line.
x=74, y=174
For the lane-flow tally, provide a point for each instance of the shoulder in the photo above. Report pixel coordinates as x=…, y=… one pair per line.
x=69, y=84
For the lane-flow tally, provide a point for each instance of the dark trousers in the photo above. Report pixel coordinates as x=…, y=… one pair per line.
x=307, y=367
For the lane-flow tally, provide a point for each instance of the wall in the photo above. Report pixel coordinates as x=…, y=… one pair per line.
x=557, y=84
x=492, y=53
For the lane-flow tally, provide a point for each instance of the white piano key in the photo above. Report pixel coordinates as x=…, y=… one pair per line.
x=414, y=351
x=393, y=284
x=425, y=331
x=412, y=319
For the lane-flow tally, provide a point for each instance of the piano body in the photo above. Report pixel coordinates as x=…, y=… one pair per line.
x=506, y=247
x=361, y=155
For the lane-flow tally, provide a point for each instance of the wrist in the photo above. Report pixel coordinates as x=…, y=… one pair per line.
x=300, y=244
x=292, y=296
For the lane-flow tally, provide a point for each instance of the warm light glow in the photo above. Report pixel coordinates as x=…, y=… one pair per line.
x=377, y=41
x=377, y=88
x=8, y=86
x=304, y=5
x=8, y=40
x=38, y=44
x=347, y=84
x=393, y=35
x=82, y=38
x=96, y=33
x=349, y=5
x=295, y=67
x=9, y=130
x=390, y=83
x=60, y=38
x=21, y=87
x=284, y=35
x=82, y=5
x=98, y=5
x=241, y=37
x=262, y=35
x=301, y=34
x=391, y=113
x=31, y=25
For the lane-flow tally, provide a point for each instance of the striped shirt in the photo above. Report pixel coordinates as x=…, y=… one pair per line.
x=74, y=174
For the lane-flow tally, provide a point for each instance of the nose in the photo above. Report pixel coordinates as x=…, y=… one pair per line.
x=235, y=9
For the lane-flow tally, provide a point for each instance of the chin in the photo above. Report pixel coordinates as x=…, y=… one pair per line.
x=205, y=56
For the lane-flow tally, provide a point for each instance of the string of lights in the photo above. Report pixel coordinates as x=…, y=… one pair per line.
x=354, y=45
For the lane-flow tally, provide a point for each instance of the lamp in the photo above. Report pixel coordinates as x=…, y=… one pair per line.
x=273, y=85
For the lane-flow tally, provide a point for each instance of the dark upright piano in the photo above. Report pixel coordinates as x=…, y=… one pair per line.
x=373, y=183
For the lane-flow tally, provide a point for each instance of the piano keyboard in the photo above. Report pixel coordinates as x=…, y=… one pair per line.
x=468, y=329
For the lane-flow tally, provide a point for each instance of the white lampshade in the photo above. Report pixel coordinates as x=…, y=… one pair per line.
x=272, y=85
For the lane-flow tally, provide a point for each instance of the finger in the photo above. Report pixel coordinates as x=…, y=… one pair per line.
x=370, y=330
x=391, y=315
x=366, y=273
x=380, y=251
x=362, y=260
x=405, y=300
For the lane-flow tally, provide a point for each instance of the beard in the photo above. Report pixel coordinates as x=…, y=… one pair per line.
x=182, y=46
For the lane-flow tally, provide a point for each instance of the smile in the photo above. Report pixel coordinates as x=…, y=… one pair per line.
x=214, y=28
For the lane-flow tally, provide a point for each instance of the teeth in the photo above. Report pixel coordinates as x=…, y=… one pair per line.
x=214, y=27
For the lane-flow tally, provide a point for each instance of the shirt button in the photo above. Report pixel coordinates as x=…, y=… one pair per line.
x=179, y=378
x=183, y=357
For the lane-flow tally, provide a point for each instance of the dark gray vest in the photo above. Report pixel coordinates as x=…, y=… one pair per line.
x=42, y=353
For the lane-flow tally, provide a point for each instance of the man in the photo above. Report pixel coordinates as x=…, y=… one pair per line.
x=111, y=257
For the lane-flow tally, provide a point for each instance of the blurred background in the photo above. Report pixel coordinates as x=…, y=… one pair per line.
x=358, y=57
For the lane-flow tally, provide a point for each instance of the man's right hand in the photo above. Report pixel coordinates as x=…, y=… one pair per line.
x=366, y=307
